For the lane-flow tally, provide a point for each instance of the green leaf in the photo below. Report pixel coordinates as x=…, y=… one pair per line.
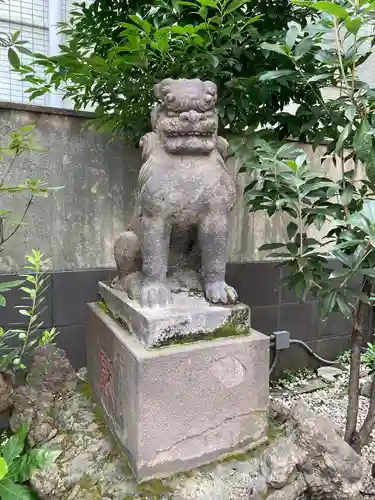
x=3, y=301
x=214, y=60
x=291, y=35
x=328, y=303
x=271, y=246
x=291, y=229
x=344, y=306
x=14, y=445
x=303, y=46
x=343, y=257
x=41, y=457
x=353, y=25
x=343, y=136
x=234, y=5
x=274, y=48
x=331, y=8
x=357, y=219
x=12, y=491
x=273, y=75
x=37, y=458
x=13, y=58
x=370, y=272
x=368, y=210
x=362, y=141
x=350, y=111
x=7, y=285
x=24, y=50
x=3, y=468
x=347, y=195
x=322, y=76
x=370, y=168
x=15, y=36
x=339, y=273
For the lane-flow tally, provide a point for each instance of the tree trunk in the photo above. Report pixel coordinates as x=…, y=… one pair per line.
x=351, y=436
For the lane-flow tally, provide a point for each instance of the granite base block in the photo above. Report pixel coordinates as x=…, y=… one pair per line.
x=189, y=317
x=178, y=407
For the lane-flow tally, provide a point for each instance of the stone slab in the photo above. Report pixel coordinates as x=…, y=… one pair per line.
x=190, y=316
x=178, y=407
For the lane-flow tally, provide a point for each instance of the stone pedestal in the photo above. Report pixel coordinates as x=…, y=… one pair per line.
x=177, y=407
x=190, y=317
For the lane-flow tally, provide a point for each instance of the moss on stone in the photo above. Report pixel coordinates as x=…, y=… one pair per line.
x=235, y=326
x=85, y=389
x=103, y=306
x=154, y=489
x=274, y=431
x=89, y=485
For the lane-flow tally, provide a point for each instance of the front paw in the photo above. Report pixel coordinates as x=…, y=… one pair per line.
x=220, y=292
x=155, y=295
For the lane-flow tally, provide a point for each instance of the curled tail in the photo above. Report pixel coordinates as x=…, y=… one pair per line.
x=127, y=253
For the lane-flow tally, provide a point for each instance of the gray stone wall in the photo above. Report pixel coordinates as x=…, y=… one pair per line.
x=76, y=225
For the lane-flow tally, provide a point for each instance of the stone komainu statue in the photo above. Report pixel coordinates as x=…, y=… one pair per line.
x=179, y=236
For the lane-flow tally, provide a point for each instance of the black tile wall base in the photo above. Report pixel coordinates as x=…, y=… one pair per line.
x=258, y=285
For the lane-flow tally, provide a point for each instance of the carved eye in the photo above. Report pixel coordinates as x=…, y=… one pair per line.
x=165, y=90
x=170, y=98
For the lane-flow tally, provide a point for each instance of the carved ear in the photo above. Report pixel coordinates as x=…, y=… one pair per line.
x=210, y=87
x=160, y=88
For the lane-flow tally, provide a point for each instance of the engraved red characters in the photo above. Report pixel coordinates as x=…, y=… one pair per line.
x=106, y=374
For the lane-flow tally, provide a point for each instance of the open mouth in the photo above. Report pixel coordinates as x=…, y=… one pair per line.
x=185, y=134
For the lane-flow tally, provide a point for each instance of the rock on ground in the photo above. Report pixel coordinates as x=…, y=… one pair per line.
x=328, y=373
x=310, y=456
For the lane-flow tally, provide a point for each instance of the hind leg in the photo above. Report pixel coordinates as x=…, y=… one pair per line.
x=127, y=253
x=213, y=237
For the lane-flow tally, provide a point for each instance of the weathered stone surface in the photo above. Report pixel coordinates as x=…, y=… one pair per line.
x=366, y=389
x=281, y=461
x=185, y=195
x=178, y=407
x=294, y=491
x=365, y=386
x=189, y=317
x=328, y=373
x=92, y=468
x=37, y=410
x=89, y=465
x=278, y=412
x=37, y=403
x=332, y=469
x=6, y=390
x=51, y=370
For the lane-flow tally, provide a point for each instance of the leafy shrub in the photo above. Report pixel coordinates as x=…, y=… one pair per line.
x=343, y=210
x=17, y=343
x=17, y=462
x=116, y=51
